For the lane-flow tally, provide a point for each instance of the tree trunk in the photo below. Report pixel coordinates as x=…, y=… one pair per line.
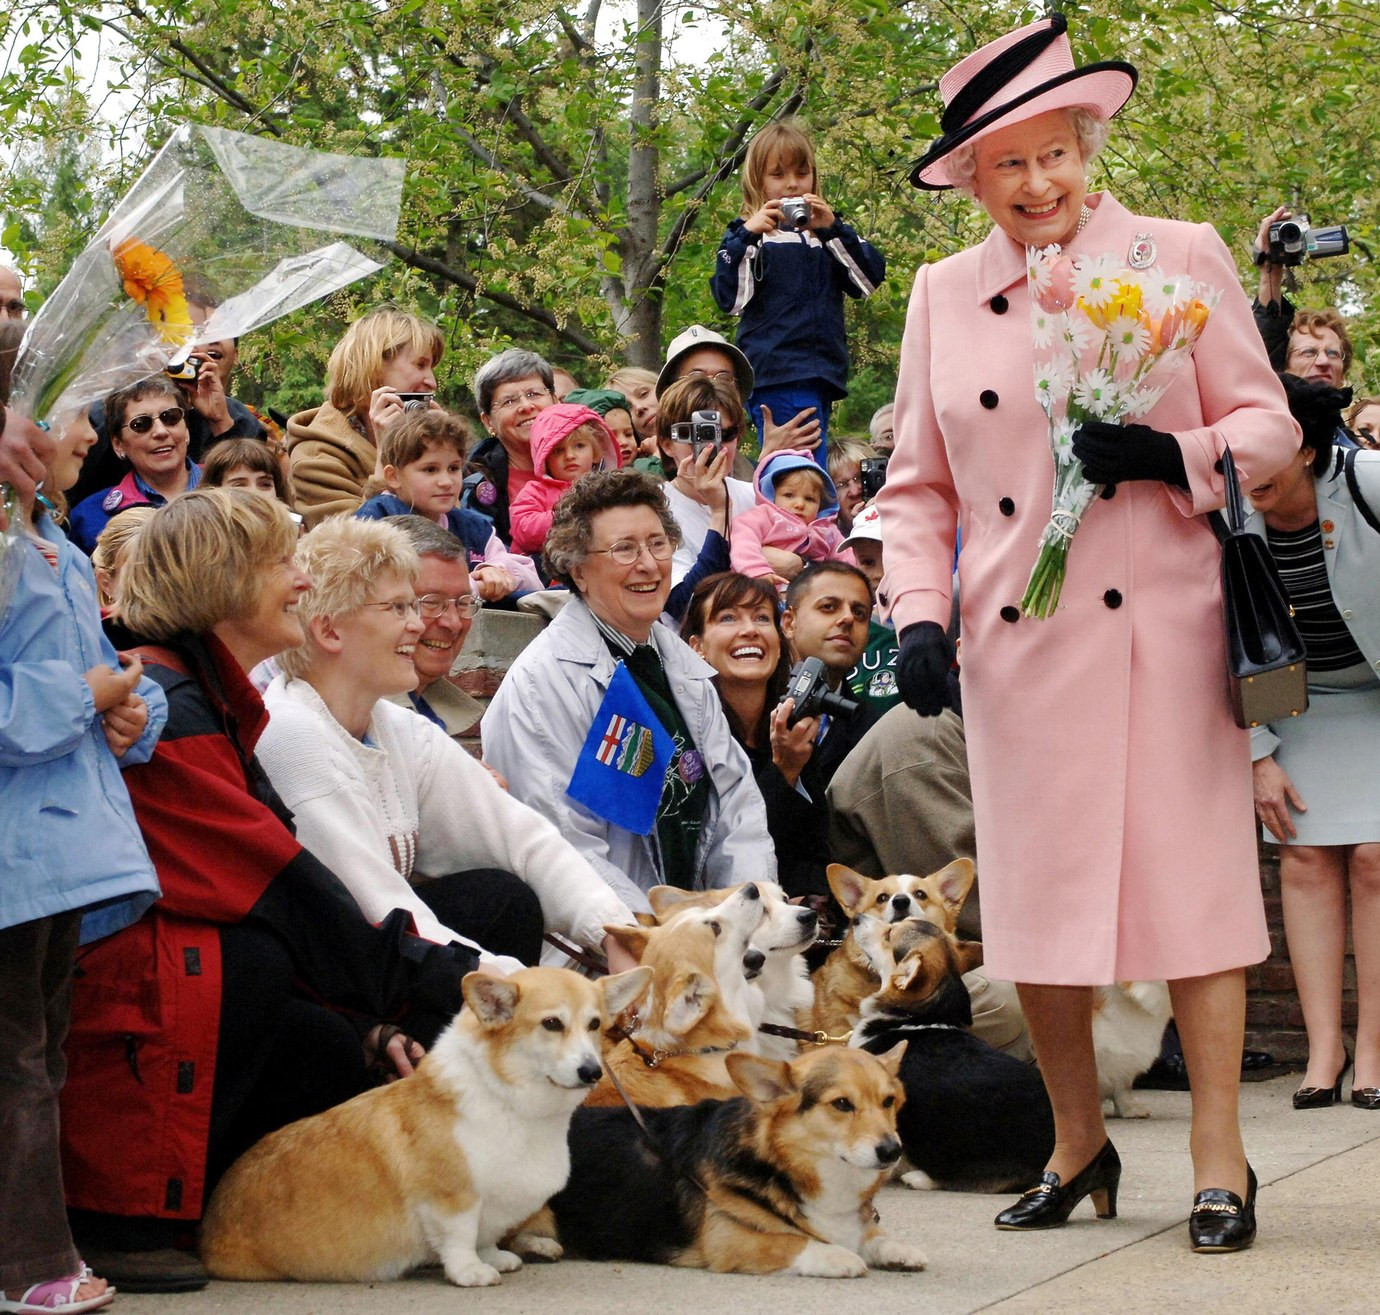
x=638, y=243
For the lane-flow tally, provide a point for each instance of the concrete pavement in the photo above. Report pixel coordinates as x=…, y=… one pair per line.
x=1319, y=1210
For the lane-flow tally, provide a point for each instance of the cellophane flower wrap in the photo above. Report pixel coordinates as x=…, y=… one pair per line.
x=220, y=235
x=1108, y=340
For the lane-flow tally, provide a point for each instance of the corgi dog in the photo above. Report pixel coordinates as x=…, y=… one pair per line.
x=779, y=1180
x=975, y=1119
x=673, y=1053
x=780, y=993
x=438, y=1166
x=847, y=977
x=1128, y=1024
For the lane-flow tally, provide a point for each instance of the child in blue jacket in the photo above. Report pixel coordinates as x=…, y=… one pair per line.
x=784, y=269
x=68, y=711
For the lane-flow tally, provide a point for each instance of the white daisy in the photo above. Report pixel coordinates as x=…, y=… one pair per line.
x=1097, y=392
x=1041, y=328
x=1095, y=280
x=1129, y=338
x=1166, y=292
x=1145, y=401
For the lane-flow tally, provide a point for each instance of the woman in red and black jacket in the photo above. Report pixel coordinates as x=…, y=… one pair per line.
x=253, y=992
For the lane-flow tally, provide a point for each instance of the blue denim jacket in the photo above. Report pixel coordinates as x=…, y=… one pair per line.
x=67, y=829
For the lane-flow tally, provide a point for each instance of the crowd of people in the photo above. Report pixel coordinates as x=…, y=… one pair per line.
x=231, y=646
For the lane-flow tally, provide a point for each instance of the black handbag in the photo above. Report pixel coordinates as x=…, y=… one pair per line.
x=1266, y=670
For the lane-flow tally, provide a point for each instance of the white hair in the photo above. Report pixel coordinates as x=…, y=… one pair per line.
x=961, y=166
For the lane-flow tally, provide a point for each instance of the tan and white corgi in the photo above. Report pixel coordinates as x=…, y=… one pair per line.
x=1128, y=1025
x=779, y=993
x=439, y=1166
x=846, y=978
x=777, y=1181
x=694, y=1014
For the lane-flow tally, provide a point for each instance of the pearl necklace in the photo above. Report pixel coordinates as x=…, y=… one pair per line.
x=1083, y=216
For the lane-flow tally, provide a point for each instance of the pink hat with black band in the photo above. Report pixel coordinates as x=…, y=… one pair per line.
x=1025, y=73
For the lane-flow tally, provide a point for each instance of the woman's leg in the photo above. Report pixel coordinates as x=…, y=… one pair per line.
x=1313, y=884
x=494, y=909
x=1059, y=1019
x=1211, y=1016
x=1363, y=866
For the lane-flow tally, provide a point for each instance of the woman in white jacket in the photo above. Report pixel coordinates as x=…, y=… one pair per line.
x=399, y=811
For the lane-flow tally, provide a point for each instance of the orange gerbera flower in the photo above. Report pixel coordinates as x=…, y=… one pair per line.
x=151, y=279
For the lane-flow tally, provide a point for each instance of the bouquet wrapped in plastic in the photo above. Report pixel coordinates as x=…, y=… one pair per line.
x=1108, y=339
x=221, y=234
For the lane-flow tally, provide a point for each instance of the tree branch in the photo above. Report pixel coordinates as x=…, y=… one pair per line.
x=576, y=337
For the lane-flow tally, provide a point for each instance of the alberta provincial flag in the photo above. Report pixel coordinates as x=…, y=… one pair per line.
x=622, y=766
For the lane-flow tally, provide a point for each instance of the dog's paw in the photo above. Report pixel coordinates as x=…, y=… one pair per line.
x=918, y=1180
x=1126, y=1105
x=503, y=1261
x=825, y=1260
x=472, y=1274
x=533, y=1246
x=887, y=1253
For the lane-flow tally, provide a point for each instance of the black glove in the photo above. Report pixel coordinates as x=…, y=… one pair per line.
x=922, y=668
x=1112, y=453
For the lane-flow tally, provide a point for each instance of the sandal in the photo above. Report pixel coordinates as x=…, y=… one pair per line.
x=57, y=1297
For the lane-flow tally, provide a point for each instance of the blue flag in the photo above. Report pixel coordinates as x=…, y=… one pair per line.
x=622, y=767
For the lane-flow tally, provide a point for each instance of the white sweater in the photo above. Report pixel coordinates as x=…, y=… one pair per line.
x=412, y=804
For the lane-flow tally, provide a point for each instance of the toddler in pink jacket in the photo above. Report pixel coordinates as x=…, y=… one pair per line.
x=797, y=507
x=567, y=442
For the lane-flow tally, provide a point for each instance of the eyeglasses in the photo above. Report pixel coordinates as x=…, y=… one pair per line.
x=400, y=607
x=1312, y=353
x=719, y=376
x=626, y=551
x=142, y=424
x=433, y=605
x=517, y=399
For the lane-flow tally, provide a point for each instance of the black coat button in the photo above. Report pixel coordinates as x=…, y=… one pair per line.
x=1006, y=507
x=988, y=398
x=1108, y=491
x=1009, y=613
x=999, y=304
x=1112, y=598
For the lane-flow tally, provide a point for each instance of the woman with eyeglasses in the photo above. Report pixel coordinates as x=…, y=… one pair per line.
x=147, y=423
x=611, y=543
x=403, y=815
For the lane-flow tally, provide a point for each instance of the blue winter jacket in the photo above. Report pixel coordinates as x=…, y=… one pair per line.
x=788, y=288
x=70, y=840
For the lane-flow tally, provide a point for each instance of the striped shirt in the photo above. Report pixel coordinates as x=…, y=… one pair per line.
x=1326, y=639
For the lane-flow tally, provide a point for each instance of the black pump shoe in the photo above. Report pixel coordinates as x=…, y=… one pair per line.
x=1220, y=1222
x=1319, y=1098
x=1049, y=1203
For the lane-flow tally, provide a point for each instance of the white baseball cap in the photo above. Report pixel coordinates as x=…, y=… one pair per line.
x=867, y=526
x=697, y=336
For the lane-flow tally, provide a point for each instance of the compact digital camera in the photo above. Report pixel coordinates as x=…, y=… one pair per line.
x=795, y=212
x=703, y=430
x=416, y=401
x=872, y=475
x=809, y=687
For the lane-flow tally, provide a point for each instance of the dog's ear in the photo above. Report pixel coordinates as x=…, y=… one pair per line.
x=968, y=954
x=848, y=886
x=955, y=881
x=665, y=898
x=632, y=939
x=624, y=990
x=910, y=974
x=688, y=1001
x=891, y=1059
x=493, y=999
x=761, y=1080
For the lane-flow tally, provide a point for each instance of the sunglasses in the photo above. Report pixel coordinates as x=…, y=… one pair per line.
x=142, y=424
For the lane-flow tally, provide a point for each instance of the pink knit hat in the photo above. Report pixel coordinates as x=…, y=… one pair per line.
x=1026, y=73
x=554, y=424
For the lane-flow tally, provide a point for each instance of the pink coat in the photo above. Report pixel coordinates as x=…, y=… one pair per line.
x=529, y=516
x=1111, y=789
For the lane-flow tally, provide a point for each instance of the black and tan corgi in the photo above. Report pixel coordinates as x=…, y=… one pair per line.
x=778, y=1181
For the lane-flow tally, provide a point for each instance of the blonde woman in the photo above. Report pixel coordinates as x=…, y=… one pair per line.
x=386, y=799
x=111, y=546
x=332, y=448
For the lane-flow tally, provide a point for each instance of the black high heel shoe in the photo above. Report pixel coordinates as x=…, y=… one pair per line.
x=1049, y=1203
x=1319, y=1098
x=1220, y=1221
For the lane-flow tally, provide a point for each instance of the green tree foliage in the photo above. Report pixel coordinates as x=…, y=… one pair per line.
x=570, y=176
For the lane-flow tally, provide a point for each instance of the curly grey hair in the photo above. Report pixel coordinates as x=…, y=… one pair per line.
x=1090, y=130
x=572, y=523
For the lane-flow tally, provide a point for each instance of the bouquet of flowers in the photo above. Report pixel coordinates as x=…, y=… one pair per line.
x=220, y=235
x=1108, y=339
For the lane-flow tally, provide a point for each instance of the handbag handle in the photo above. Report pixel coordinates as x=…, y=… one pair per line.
x=1236, y=503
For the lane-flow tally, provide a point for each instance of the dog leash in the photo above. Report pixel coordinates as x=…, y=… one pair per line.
x=655, y=1057
x=816, y=1038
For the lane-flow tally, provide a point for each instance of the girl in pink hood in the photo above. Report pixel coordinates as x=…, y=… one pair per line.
x=567, y=442
x=797, y=509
